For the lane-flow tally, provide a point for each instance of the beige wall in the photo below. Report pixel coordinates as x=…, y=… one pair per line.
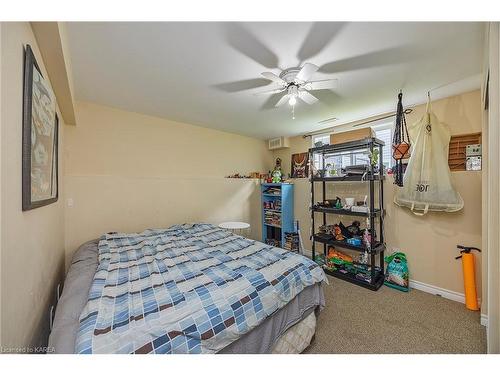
x=429, y=241
x=32, y=242
x=127, y=172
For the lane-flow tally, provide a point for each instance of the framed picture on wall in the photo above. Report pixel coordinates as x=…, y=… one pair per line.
x=300, y=165
x=40, y=138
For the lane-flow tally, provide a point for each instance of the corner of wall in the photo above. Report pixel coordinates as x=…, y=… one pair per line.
x=52, y=42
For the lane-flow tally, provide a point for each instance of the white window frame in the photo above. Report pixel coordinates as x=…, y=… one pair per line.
x=385, y=126
x=375, y=128
x=316, y=136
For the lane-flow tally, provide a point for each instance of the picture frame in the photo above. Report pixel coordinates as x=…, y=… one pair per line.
x=40, y=138
x=300, y=165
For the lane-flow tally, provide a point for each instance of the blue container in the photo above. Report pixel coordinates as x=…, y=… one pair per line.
x=354, y=241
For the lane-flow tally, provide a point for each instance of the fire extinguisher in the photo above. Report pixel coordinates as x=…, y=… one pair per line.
x=468, y=266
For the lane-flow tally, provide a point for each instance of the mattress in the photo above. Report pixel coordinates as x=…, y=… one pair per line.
x=265, y=338
x=297, y=338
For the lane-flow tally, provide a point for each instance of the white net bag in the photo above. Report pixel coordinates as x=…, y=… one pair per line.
x=427, y=181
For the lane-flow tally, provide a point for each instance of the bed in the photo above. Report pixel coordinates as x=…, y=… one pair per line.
x=191, y=288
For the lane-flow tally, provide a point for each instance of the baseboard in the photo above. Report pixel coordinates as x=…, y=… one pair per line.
x=445, y=293
x=484, y=320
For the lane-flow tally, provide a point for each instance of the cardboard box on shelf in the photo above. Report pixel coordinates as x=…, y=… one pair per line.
x=352, y=135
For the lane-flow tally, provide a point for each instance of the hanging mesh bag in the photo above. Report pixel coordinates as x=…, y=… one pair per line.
x=400, y=142
x=427, y=181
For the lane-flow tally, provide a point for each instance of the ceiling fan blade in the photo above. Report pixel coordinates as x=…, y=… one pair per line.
x=275, y=78
x=271, y=101
x=328, y=97
x=307, y=97
x=244, y=41
x=247, y=84
x=388, y=56
x=275, y=91
x=320, y=35
x=306, y=72
x=322, y=85
x=283, y=100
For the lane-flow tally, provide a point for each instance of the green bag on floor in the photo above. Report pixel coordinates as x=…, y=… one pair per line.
x=397, y=275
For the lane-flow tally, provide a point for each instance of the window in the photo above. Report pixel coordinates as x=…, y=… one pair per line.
x=342, y=160
x=316, y=139
x=384, y=133
x=323, y=138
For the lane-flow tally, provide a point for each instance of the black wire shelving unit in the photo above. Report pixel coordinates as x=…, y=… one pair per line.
x=375, y=214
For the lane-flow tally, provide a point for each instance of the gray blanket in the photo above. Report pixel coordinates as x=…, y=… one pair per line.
x=79, y=279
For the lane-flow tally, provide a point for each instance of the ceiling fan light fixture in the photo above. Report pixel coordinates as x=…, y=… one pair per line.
x=293, y=92
x=296, y=82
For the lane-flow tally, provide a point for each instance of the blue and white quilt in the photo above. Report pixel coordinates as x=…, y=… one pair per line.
x=192, y=288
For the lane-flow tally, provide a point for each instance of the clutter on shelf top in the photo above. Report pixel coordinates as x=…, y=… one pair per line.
x=350, y=207
x=250, y=175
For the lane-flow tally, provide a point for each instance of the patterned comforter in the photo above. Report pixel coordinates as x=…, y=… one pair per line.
x=191, y=288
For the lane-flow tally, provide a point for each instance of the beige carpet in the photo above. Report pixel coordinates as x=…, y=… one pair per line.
x=357, y=320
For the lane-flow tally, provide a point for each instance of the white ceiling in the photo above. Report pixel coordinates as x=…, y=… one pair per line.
x=197, y=72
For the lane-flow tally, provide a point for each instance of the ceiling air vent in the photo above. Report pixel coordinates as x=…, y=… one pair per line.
x=277, y=143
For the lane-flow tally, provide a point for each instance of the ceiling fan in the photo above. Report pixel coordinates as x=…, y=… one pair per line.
x=297, y=85
x=295, y=82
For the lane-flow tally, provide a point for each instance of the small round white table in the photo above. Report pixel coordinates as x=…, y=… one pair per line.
x=237, y=227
